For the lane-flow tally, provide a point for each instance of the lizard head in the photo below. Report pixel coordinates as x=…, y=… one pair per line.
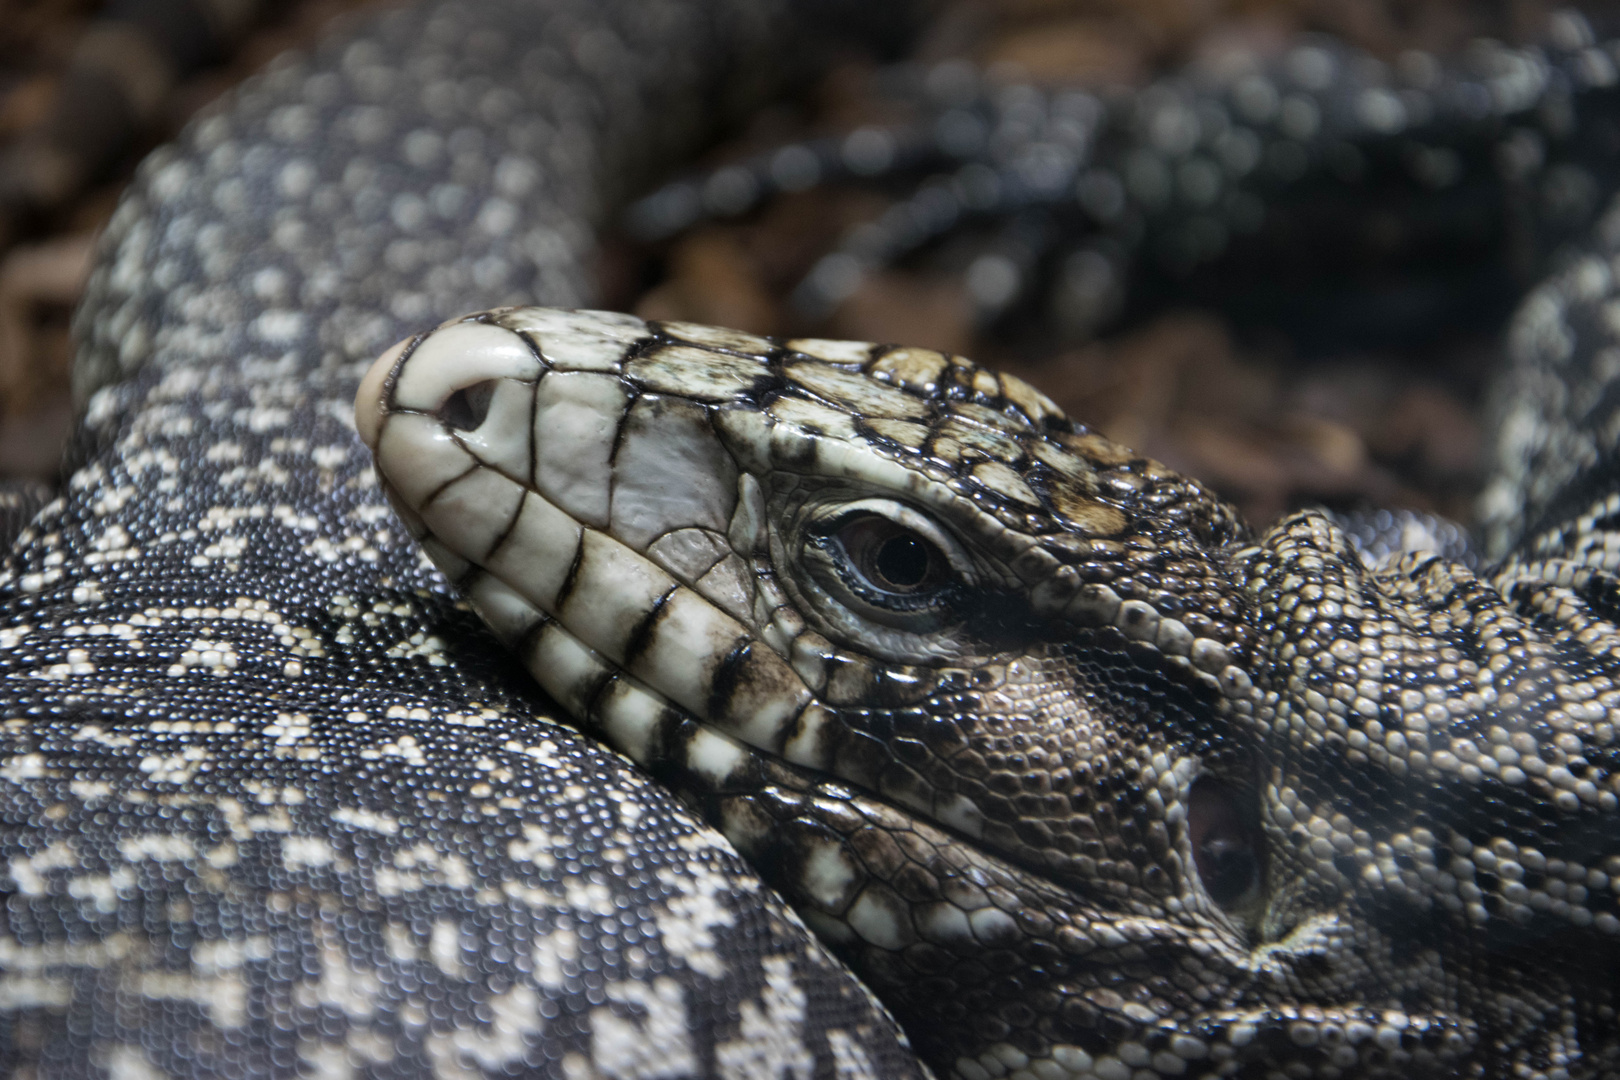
x=1020, y=721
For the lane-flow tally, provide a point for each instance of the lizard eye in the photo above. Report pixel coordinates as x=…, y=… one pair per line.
x=1226, y=846
x=890, y=557
x=884, y=562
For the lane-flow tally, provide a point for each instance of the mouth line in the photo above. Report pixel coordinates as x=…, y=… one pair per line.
x=712, y=769
x=694, y=755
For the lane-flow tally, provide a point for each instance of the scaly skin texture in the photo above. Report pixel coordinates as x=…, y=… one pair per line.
x=273, y=804
x=1078, y=774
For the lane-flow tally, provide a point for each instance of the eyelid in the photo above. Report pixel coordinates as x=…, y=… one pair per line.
x=905, y=517
x=864, y=539
x=922, y=628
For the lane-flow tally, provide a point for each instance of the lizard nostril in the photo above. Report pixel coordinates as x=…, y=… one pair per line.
x=1226, y=846
x=467, y=408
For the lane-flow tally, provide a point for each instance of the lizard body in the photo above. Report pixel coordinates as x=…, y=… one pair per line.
x=1079, y=774
x=273, y=805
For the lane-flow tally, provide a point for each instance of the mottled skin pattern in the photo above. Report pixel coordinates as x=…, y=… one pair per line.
x=995, y=792
x=1270, y=170
x=272, y=804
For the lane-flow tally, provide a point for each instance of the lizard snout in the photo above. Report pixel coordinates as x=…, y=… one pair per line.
x=450, y=374
x=446, y=414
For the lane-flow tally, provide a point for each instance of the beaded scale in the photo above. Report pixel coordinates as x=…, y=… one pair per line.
x=1114, y=787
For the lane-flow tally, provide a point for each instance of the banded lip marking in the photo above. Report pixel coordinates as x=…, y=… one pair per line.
x=517, y=542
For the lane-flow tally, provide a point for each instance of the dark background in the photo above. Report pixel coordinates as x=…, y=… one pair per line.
x=1272, y=421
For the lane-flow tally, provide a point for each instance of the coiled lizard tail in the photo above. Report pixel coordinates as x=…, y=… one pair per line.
x=1080, y=776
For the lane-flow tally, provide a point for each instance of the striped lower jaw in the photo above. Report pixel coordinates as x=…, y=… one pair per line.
x=624, y=711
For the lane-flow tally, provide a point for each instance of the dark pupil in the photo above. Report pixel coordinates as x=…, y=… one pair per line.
x=902, y=561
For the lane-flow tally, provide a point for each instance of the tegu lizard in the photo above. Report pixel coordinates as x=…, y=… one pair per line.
x=1080, y=774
